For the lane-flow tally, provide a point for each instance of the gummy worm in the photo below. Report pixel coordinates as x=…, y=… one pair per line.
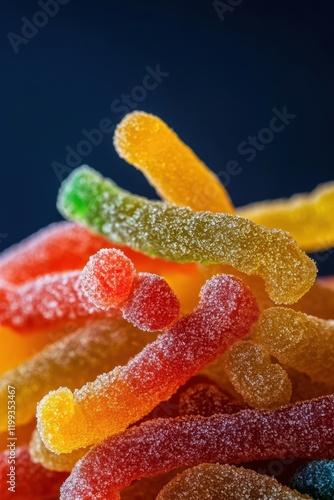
x=179, y=234
x=177, y=174
x=67, y=421
x=307, y=217
x=225, y=481
x=302, y=430
x=73, y=360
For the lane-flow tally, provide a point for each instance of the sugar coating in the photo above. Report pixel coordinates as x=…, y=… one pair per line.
x=316, y=479
x=145, y=300
x=67, y=420
x=151, y=305
x=62, y=462
x=107, y=278
x=177, y=174
x=215, y=481
x=318, y=301
x=46, y=303
x=179, y=234
x=216, y=372
x=32, y=481
x=62, y=246
x=73, y=360
x=65, y=246
x=206, y=399
x=303, y=430
x=261, y=383
x=307, y=217
x=302, y=342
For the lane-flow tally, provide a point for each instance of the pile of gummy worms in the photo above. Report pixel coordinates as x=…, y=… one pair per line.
x=168, y=349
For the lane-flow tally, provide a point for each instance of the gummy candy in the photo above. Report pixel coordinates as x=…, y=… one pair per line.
x=107, y=278
x=152, y=304
x=302, y=342
x=318, y=301
x=48, y=302
x=198, y=396
x=210, y=481
x=108, y=405
x=65, y=246
x=261, y=383
x=72, y=361
x=177, y=174
x=307, y=217
x=52, y=300
x=145, y=300
x=155, y=404
x=178, y=233
x=62, y=246
x=300, y=430
x=60, y=462
x=206, y=399
x=30, y=481
x=316, y=479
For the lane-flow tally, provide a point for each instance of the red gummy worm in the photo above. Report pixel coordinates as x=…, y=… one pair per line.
x=47, y=302
x=301, y=430
x=62, y=246
x=152, y=305
x=107, y=278
x=68, y=421
x=146, y=300
x=27, y=480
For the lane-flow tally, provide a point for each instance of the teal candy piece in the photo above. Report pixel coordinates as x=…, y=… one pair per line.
x=316, y=479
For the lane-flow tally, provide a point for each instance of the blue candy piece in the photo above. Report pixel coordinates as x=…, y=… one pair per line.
x=315, y=479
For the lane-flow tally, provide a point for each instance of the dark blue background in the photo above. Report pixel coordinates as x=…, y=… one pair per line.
x=225, y=78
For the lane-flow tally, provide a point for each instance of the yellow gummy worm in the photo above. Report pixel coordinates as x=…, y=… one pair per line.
x=261, y=383
x=299, y=341
x=307, y=217
x=61, y=462
x=215, y=481
x=177, y=174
